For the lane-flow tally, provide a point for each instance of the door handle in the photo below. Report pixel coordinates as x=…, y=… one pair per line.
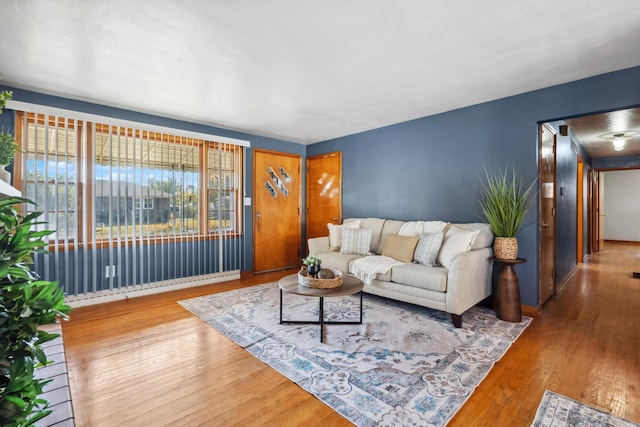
x=545, y=224
x=334, y=219
x=259, y=216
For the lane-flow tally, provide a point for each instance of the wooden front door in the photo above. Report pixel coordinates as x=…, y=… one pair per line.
x=547, y=212
x=324, y=193
x=276, y=222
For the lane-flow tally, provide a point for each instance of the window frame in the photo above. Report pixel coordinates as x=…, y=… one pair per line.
x=85, y=158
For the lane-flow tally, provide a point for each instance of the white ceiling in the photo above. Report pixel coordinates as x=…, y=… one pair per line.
x=307, y=70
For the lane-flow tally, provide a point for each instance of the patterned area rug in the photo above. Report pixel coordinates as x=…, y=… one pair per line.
x=556, y=410
x=405, y=365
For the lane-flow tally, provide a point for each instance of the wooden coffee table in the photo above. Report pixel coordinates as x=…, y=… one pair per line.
x=350, y=285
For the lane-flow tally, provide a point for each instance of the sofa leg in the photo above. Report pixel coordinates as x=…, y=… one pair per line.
x=457, y=320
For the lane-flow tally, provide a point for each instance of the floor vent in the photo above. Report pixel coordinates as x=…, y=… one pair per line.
x=635, y=275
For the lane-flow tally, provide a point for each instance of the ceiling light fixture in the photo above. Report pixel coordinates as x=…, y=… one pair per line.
x=619, y=141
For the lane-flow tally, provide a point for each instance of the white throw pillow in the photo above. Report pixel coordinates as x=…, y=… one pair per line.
x=428, y=248
x=335, y=235
x=355, y=241
x=455, y=242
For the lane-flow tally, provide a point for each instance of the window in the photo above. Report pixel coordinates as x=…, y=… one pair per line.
x=145, y=203
x=138, y=184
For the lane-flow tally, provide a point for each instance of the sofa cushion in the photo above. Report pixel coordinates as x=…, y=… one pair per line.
x=399, y=247
x=420, y=276
x=335, y=234
x=336, y=261
x=428, y=247
x=355, y=241
x=455, y=242
x=415, y=228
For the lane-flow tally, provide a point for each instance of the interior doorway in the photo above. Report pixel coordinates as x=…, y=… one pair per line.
x=547, y=225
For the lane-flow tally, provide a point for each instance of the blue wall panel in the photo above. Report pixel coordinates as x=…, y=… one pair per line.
x=430, y=168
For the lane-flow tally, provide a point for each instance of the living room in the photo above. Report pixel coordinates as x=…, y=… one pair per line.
x=426, y=165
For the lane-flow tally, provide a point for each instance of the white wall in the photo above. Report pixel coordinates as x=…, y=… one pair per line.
x=622, y=205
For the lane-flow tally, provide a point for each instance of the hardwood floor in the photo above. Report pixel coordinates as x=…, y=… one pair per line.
x=148, y=362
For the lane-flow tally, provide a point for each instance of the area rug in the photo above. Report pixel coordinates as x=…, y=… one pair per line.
x=405, y=365
x=556, y=410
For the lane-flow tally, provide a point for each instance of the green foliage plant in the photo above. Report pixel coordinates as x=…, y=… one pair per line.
x=4, y=97
x=26, y=303
x=312, y=260
x=505, y=201
x=8, y=147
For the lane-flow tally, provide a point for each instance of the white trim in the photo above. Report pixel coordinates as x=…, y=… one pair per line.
x=45, y=109
x=82, y=300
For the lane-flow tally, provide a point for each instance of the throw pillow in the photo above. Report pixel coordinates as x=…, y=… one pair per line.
x=355, y=241
x=399, y=247
x=455, y=242
x=335, y=235
x=428, y=248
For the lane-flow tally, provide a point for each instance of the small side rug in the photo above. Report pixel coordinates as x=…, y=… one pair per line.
x=405, y=365
x=556, y=410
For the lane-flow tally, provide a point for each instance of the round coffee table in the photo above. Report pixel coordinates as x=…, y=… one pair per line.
x=351, y=285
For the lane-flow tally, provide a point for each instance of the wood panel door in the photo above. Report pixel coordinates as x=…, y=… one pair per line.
x=324, y=193
x=547, y=212
x=277, y=198
x=580, y=212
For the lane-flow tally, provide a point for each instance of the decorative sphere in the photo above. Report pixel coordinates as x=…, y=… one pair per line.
x=325, y=273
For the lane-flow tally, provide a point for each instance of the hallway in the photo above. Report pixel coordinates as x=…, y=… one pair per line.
x=585, y=344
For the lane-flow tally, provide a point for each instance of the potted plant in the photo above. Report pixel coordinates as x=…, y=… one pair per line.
x=313, y=264
x=25, y=303
x=505, y=201
x=8, y=145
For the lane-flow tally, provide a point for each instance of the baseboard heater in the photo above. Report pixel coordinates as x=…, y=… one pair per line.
x=116, y=294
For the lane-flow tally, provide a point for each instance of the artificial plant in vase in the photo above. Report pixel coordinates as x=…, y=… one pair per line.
x=26, y=303
x=505, y=201
x=313, y=264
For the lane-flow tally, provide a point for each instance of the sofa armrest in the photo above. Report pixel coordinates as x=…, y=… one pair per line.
x=318, y=245
x=469, y=280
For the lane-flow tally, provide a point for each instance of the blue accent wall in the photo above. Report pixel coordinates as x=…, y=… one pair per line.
x=430, y=168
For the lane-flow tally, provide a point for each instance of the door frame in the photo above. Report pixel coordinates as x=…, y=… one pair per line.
x=550, y=129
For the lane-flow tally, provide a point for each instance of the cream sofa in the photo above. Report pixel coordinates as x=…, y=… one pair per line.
x=454, y=288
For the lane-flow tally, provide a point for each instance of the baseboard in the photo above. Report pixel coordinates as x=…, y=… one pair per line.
x=109, y=295
x=530, y=311
x=626, y=242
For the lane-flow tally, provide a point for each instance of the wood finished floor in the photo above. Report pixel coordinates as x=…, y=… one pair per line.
x=148, y=362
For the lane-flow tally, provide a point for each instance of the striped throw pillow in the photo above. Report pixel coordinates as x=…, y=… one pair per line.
x=355, y=241
x=428, y=247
